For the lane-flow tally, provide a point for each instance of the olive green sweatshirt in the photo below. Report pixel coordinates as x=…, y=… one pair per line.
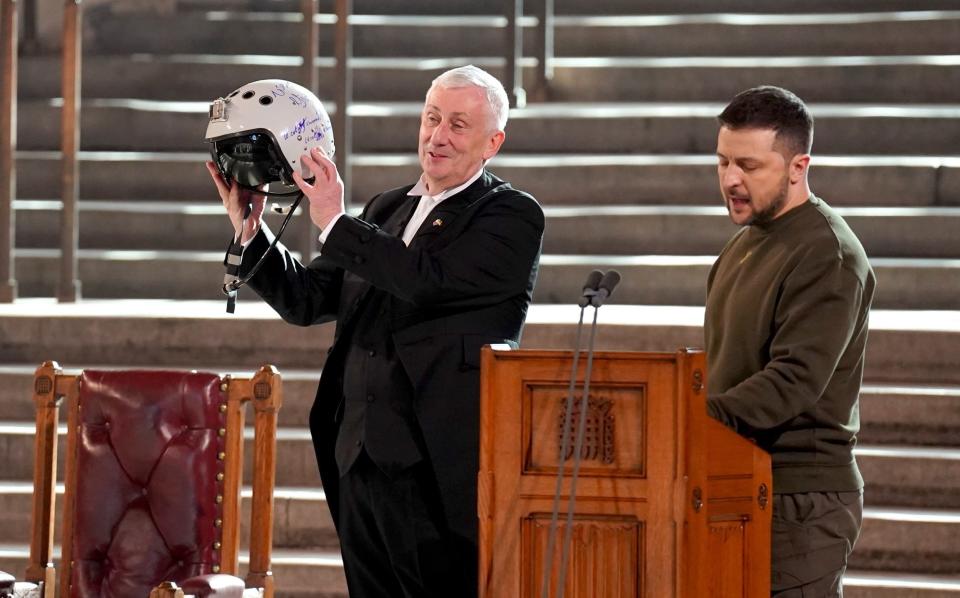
x=786, y=333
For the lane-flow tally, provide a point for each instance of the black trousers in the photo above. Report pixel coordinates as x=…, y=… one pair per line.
x=813, y=536
x=393, y=539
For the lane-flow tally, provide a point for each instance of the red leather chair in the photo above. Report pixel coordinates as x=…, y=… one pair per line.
x=153, y=476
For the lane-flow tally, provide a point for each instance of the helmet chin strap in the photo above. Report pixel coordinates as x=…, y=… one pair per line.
x=277, y=209
x=259, y=191
x=231, y=280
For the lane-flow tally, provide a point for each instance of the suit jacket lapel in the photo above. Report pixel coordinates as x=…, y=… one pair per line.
x=441, y=217
x=397, y=221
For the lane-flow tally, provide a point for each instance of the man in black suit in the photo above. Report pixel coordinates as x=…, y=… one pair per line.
x=420, y=281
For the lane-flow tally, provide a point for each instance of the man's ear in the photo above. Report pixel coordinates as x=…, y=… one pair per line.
x=798, y=168
x=493, y=145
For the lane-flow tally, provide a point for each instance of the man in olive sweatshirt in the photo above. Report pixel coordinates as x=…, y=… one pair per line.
x=786, y=330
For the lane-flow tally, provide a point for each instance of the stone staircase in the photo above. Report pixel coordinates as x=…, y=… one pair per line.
x=622, y=160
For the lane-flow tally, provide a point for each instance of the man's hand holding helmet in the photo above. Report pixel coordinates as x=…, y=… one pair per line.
x=237, y=201
x=325, y=191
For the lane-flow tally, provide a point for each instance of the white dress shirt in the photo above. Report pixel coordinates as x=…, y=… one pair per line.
x=426, y=205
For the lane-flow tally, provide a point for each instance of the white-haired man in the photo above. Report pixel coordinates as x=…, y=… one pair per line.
x=423, y=278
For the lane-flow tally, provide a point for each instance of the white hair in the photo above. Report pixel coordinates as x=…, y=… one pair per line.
x=472, y=76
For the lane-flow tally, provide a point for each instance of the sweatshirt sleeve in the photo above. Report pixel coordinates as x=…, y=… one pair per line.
x=815, y=317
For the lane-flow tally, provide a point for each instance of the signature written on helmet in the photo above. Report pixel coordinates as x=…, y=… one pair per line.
x=282, y=90
x=314, y=129
x=300, y=127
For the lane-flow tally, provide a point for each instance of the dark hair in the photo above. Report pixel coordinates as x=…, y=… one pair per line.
x=769, y=107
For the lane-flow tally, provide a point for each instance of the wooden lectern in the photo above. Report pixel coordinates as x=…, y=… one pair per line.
x=669, y=503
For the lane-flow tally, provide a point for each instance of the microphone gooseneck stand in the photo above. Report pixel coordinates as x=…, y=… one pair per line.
x=589, y=290
x=596, y=290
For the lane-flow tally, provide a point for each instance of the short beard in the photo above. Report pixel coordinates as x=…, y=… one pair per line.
x=768, y=214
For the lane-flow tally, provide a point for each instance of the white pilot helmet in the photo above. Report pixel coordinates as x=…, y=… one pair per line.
x=258, y=132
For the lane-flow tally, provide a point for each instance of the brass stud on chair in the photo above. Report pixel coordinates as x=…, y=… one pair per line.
x=219, y=498
x=223, y=407
x=218, y=522
x=222, y=431
x=216, y=568
x=216, y=545
x=220, y=477
x=224, y=386
x=221, y=455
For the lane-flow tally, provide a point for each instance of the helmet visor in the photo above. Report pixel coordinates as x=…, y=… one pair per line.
x=250, y=159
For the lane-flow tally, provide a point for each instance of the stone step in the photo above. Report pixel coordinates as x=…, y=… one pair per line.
x=895, y=475
x=903, y=283
x=608, y=230
x=878, y=79
x=297, y=573
x=296, y=463
x=688, y=230
x=911, y=476
x=868, y=584
x=16, y=390
x=908, y=541
x=577, y=7
x=640, y=128
x=606, y=179
x=906, y=347
x=301, y=518
x=890, y=414
x=906, y=32
x=322, y=577
x=916, y=415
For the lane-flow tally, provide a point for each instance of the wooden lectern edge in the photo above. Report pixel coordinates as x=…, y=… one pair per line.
x=505, y=350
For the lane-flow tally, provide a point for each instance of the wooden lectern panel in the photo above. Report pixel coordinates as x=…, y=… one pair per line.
x=598, y=546
x=609, y=449
x=654, y=517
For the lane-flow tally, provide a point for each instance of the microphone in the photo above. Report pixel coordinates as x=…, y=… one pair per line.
x=605, y=288
x=596, y=290
x=590, y=287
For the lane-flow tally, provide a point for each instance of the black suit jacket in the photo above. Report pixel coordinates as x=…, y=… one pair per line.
x=466, y=280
